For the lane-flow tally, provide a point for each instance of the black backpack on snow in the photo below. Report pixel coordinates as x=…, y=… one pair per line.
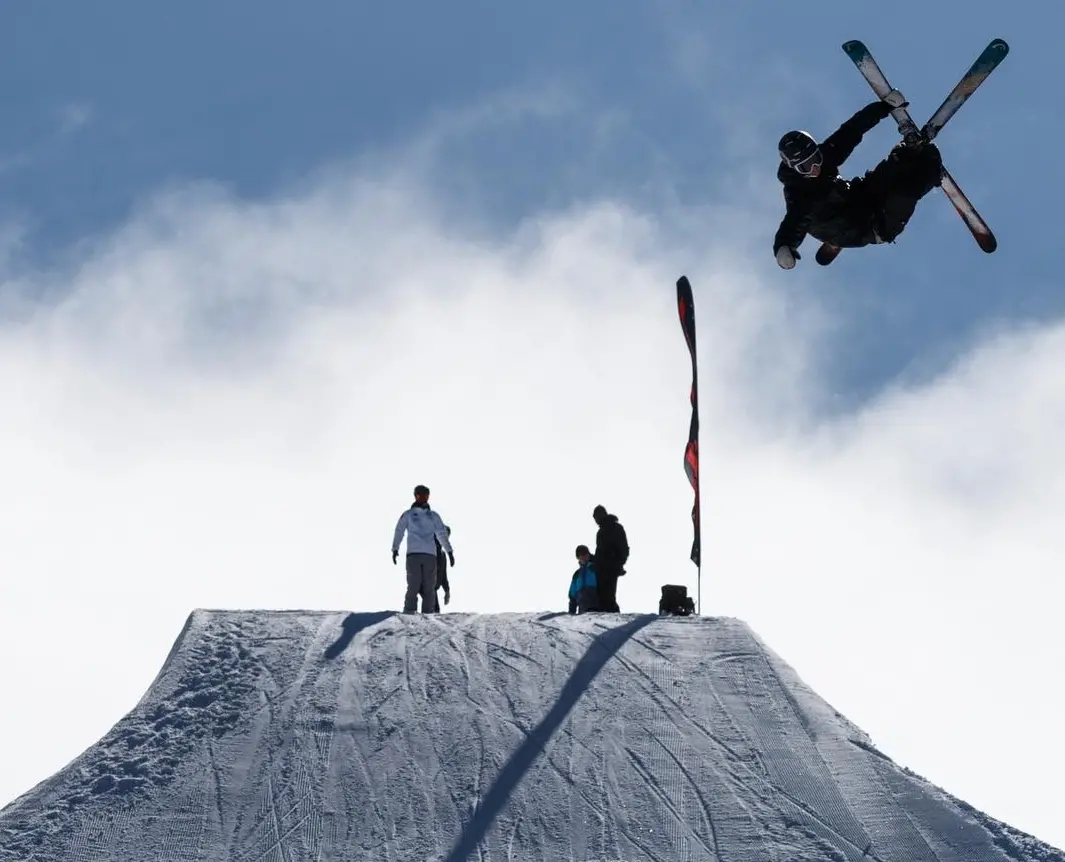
x=675, y=601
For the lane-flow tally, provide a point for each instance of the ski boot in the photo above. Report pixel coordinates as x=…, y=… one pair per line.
x=915, y=139
x=827, y=253
x=912, y=136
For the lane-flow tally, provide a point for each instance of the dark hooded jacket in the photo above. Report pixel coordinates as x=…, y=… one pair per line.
x=828, y=207
x=441, y=567
x=611, y=547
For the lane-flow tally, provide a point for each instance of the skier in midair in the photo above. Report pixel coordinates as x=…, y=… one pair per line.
x=852, y=213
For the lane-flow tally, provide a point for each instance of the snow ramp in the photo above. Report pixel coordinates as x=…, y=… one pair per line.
x=302, y=735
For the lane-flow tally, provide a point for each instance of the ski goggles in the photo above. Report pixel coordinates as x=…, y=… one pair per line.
x=807, y=165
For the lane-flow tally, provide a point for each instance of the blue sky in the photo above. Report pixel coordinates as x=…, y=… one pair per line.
x=264, y=269
x=106, y=105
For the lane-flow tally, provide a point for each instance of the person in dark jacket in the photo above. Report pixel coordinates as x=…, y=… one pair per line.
x=611, y=554
x=441, y=574
x=874, y=208
x=583, y=589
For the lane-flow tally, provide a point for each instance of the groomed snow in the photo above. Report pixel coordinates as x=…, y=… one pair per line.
x=307, y=735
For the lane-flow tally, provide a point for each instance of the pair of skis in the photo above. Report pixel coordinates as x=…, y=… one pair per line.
x=985, y=64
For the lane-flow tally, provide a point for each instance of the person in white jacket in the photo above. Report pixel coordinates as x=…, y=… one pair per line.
x=421, y=524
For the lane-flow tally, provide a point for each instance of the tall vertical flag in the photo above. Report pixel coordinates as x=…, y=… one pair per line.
x=686, y=309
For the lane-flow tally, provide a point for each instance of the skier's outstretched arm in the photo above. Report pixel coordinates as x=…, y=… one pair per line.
x=838, y=146
x=792, y=230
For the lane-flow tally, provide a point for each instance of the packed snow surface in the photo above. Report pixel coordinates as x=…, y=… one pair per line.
x=298, y=735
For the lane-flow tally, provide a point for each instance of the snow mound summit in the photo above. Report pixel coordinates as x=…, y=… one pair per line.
x=305, y=735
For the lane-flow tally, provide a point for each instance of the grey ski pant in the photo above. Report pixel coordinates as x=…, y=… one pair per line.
x=421, y=581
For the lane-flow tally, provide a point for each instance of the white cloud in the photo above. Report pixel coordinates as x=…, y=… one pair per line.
x=229, y=405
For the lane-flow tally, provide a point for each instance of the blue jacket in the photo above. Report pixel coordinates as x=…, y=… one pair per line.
x=583, y=589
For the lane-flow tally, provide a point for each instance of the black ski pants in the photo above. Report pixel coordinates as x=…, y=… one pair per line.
x=607, y=587
x=894, y=186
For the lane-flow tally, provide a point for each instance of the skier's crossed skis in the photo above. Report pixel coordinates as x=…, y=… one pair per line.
x=820, y=202
x=985, y=64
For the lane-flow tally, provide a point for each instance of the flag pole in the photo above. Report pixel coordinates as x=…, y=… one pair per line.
x=686, y=310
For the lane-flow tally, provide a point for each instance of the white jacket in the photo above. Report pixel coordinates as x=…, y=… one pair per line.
x=421, y=525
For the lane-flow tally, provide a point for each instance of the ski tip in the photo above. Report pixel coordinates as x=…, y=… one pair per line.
x=855, y=46
x=1000, y=45
x=984, y=238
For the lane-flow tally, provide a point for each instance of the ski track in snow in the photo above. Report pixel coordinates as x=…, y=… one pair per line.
x=304, y=736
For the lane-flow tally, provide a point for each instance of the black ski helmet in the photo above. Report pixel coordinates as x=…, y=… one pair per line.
x=800, y=151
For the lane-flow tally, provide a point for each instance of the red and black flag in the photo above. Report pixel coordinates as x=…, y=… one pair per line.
x=686, y=308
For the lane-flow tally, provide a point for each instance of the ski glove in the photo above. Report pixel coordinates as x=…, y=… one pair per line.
x=451, y=558
x=447, y=597
x=786, y=257
x=395, y=556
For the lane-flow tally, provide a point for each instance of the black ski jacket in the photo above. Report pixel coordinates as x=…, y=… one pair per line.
x=828, y=207
x=441, y=567
x=611, y=547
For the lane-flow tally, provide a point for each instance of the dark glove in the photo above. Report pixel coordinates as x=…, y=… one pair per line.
x=889, y=103
x=451, y=558
x=880, y=110
x=395, y=556
x=447, y=597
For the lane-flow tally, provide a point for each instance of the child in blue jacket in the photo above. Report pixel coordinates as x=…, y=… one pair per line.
x=583, y=589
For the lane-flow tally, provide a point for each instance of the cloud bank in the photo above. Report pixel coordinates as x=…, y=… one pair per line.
x=226, y=404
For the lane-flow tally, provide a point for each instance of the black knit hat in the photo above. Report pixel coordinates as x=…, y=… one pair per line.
x=421, y=489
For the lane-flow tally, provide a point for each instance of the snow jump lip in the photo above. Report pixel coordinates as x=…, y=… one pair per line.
x=333, y=735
